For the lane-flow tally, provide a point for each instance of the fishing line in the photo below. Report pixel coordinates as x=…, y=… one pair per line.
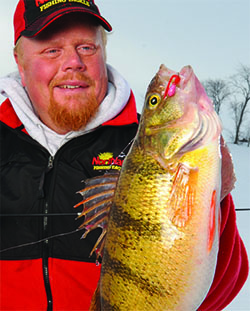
x=40, y=215
x=121, y=153
x=40, y=241
x=130, y=143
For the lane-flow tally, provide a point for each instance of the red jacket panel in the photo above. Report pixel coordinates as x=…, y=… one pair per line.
x=232, y=265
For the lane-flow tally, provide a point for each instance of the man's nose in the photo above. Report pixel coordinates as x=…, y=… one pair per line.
x=73, y=61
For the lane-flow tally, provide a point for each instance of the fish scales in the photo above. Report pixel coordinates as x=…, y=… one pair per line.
x=144, y=250
x=161, y=242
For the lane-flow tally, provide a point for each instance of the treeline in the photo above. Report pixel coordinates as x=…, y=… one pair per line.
x=234, y=93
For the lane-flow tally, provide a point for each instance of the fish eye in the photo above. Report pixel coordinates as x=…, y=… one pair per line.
x=153, y=100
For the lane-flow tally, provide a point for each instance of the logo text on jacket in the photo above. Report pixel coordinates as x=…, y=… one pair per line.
x=107, y=161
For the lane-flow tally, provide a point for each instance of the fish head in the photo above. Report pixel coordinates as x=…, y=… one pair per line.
x=178, y=115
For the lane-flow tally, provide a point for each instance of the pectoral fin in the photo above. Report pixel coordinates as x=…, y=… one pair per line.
x=183, y=194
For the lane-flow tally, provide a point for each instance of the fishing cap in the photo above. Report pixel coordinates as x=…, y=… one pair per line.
x=32, y=16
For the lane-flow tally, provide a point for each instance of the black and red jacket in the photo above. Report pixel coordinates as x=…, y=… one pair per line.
x=45, y=265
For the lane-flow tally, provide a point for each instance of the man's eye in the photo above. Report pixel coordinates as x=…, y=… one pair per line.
x=87, y=49
x=52, y=52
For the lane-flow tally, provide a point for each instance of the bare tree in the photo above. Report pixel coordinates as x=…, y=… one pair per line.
x=240, y=87
x=218, y=91
x=248, y=136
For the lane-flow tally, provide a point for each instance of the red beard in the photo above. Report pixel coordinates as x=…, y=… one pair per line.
x=66, y=118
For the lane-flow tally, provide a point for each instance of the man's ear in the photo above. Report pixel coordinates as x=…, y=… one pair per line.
x=20, y=67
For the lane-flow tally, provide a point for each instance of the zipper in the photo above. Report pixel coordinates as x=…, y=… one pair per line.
x=46, y=243
x=50, y=163
x=46, y=261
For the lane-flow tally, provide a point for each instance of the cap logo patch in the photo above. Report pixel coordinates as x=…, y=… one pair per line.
x=39, y=2
x=44, y=4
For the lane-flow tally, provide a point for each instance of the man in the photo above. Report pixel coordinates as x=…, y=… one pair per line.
x=69, y=116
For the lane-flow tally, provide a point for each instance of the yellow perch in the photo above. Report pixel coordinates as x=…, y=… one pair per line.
x=161, y=242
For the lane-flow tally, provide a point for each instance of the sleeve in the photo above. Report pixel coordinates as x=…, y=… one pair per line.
x=232, y=264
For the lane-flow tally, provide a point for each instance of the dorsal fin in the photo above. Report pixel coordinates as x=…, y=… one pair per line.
x=97, y=196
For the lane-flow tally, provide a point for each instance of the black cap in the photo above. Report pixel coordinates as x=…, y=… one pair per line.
x=32, y=16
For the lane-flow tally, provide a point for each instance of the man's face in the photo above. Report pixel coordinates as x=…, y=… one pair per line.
x=64, y=72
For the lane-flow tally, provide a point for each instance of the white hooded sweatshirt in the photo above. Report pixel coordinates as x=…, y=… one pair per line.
x=116, y=98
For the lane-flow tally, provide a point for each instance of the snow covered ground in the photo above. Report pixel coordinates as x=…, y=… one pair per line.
x=241, y=195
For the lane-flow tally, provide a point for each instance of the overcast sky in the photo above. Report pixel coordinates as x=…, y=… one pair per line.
x=213, y=36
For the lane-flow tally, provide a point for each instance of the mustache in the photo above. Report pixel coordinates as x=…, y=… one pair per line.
x=79, y=76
